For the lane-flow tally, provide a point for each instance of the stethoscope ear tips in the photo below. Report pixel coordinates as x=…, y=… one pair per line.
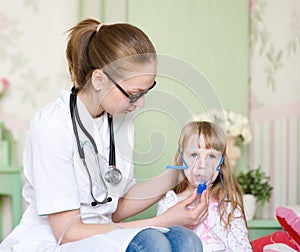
x=95, y=203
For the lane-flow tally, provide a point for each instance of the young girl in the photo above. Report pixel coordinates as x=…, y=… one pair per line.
x=201, y=159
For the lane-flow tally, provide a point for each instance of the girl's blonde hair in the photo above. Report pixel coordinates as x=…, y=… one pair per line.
x=225, y=188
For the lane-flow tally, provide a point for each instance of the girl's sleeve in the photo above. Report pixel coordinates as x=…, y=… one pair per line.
x=237, y=236
x=166, y=203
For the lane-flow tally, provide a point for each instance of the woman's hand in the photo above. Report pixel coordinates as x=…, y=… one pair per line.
x=181, y=215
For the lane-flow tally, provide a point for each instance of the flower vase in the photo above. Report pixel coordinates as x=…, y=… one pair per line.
x=249, y=202
x=232, y=150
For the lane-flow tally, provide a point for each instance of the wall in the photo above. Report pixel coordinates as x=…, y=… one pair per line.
x=32, y=43
x=207, y=35
x=274, y=98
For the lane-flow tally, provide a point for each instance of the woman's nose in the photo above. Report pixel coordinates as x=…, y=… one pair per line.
x=140, y=102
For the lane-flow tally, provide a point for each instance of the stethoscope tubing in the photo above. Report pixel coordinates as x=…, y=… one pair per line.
x=74, y=111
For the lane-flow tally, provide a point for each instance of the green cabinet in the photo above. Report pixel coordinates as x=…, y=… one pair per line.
x=10, y=179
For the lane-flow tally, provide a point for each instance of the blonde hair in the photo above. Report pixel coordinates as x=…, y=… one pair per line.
x=224, y=189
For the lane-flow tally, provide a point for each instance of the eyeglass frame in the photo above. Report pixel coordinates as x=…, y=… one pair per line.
x=132, y=98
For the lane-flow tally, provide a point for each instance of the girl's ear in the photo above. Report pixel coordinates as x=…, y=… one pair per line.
x=97, y=79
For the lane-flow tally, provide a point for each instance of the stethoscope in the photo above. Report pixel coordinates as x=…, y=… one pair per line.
x=113, y=175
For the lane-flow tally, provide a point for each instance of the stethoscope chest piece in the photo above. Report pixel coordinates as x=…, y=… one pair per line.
x=113, y=176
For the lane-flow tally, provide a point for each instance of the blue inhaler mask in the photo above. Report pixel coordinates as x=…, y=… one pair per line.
x=200, y=166
x=203, y=184
x=201, y=169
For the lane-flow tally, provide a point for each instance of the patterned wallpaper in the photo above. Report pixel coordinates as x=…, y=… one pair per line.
x=275, y=45
x=274, y=97
x=32, y=58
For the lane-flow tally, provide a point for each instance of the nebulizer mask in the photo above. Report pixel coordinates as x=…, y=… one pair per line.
x=204, y=167
x=201, y=168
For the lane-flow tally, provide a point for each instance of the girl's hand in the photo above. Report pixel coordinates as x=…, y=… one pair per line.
x=181, y=215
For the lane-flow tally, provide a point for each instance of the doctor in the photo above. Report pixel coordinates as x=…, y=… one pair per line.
x=78, y=157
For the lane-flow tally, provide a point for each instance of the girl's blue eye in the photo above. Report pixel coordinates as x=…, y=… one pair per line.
x=193, y=155
x=212, y=156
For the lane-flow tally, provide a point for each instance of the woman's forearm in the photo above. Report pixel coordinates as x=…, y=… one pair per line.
x=68, y=227
x=145, y=194
x=179, y=214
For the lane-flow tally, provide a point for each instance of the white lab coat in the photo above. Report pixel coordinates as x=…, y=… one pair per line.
x=57, y=181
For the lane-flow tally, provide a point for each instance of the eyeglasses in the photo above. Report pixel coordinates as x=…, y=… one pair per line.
x=132, y=98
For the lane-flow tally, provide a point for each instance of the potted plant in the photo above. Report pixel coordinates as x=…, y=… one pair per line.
x=256, y=187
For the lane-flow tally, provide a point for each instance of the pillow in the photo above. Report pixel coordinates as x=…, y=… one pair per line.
x=277, y=237
x=290, y=222
x=281, y=247
x=295, y=208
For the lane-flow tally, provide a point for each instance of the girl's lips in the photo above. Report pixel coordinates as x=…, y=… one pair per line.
x=200, y=178
x=200, y=175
